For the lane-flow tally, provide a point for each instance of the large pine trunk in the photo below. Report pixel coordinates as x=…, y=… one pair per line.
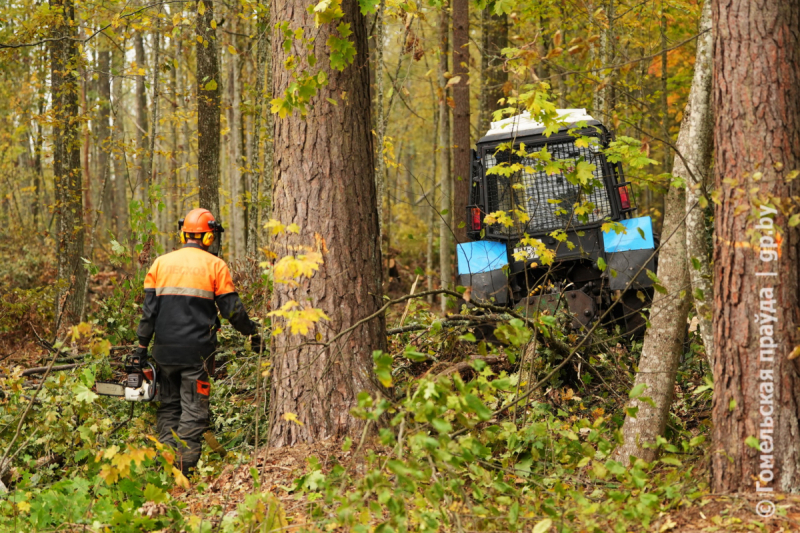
x=67, y=176
x=663, y=342
x=462, y=162
x=757, y=139
x=209, y=89
x=324, y=182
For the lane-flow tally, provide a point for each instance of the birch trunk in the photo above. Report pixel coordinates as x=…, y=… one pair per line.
x=697, y=156
x=663, y=342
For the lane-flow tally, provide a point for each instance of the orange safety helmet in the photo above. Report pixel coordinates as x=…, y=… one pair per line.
x=199, y=223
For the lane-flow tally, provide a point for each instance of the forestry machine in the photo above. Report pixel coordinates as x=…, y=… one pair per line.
x=592, y=268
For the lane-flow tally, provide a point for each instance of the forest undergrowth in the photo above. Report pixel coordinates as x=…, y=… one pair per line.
x=470, y=436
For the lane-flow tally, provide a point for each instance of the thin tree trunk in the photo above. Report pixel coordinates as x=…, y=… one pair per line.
x=209, y=89
x=38, y=183
x=462, y=162
x=121, y=181
x=172, y=182
x=151, y=166
x=104, y=129
x=430, y=203
x=330, y=193
x=380, y=124
x=696, y=152
x=68, y=184
x=493, y=75
x=602, y=95
x=237, y=216
x=256, y=171
x=665, y=123
x=445, y=208
x=143, y=169
x=757, y=143
x=663, y=343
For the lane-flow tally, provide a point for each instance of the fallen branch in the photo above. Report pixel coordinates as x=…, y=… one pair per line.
x=467, y=365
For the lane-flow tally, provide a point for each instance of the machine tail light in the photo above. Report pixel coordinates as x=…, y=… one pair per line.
x=624, y=197
x=475, y=218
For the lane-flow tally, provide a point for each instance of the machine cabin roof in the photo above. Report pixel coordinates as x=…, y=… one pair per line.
x=523, y=125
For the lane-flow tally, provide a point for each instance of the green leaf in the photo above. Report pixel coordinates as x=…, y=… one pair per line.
x=794, y=220
x=752, y=442
x=513, y=513
x=368, y=6
x=84, y=394
x=478, y=407
x=636, y=391
x=210, y=86
x=154, y=494
x=601, y=264
x=413, y=355
x=543, y=526
x=671, y=461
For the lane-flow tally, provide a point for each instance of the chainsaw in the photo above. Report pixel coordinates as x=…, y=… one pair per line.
x=139, y=386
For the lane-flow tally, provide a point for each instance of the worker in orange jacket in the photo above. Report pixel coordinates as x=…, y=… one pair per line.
x=183, y=291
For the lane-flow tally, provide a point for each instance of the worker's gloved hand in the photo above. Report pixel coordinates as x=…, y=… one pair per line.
x=141, y=353
x=256, y=344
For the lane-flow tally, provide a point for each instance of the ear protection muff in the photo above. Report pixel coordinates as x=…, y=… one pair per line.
x=181, y=233
x=208, y=238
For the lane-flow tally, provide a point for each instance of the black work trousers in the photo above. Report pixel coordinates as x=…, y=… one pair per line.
x=184, y=410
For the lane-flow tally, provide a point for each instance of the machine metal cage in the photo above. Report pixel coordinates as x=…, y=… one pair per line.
x=530, y=191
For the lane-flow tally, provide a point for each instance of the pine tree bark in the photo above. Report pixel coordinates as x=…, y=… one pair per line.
x=493, y=75
x=462, y=162
x=663, y=342
x=757, y=142
x=694, y=168
x=67, y=176
x=445, y=178
x=209, y=89
x=324, y=182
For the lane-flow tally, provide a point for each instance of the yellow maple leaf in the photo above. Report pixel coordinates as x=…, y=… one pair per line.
x=274, y=226
x=109, y=474
x=180, y=479
x=138, y=455
x=291, y=417
x=24, y=507
x=110, y=452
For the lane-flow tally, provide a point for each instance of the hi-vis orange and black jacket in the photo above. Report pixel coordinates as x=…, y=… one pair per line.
x=182, y=292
